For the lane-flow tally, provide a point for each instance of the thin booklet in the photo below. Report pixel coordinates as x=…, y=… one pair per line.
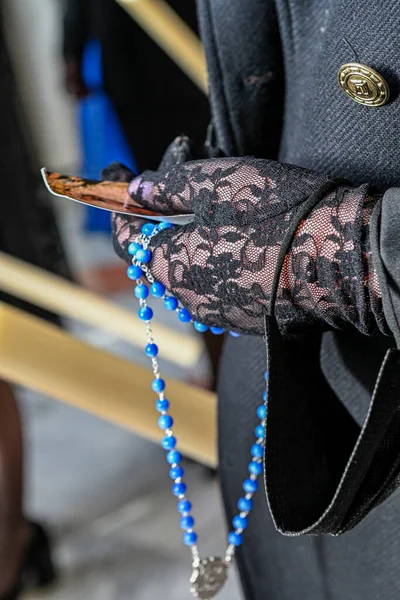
x=107, y=195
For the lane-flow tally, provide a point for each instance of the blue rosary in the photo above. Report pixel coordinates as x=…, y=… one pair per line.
x=208, y=574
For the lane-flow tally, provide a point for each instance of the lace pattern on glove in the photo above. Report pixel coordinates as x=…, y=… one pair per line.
x=222, y=266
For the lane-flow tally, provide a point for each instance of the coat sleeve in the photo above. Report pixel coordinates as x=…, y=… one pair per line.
x=324, y=470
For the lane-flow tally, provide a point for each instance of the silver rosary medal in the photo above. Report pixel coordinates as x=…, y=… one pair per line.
x=208, y=577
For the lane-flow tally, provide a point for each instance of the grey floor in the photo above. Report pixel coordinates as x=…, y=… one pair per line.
x=105, y=493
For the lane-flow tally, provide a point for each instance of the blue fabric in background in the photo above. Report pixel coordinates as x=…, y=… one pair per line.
x=102, y=139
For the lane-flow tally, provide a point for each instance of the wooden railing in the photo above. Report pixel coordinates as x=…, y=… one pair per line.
x=41, y=356
x=70, y=300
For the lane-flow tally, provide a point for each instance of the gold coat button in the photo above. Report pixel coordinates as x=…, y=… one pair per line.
x=363, y=84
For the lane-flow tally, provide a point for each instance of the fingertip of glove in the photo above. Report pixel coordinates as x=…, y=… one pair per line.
x=178, y=152
x=117, y=171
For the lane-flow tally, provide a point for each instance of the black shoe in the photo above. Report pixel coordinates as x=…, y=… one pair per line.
x=37, y=568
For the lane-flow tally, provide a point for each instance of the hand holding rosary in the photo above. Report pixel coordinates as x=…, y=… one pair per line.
x=247, y=246
x=208, y=574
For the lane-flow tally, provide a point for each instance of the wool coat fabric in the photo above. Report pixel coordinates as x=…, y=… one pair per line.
x=273, y=68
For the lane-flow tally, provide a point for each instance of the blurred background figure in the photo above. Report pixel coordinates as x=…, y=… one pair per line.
x=29, y=232
x=153, y=99
x=134, y=99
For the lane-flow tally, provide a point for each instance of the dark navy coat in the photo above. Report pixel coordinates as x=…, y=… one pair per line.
x=273, y=67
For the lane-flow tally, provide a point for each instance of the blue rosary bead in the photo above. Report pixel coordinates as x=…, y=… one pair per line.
x=165, y=422
x=186, y=522
x=178, y=489
x=162, y=404
x=134, y=247
x=265, y=395
x=217, y=330
x=184, y=316
x=176, y=472
x=261, y=412
x=200, y=327
x=265, y=375
x=184, y=506
x=168, y=442
x=158, y=385
x=145, y=313
x=245, y=504
x=173, y=457
x=148, y=228
x=141, y=291
x=151, y=350
x=255, y=468
x=157, y=289
x=235, y=539
x=239, y=522
x=250, y=486
x=189, y=538
x=257, y=450
x=164, y=225
x=234, y=334
x=143, y=256
x=170, y=303
x=260, y=431
x=134, y=272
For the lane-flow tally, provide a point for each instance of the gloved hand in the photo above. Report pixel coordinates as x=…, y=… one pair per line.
x=221, y=266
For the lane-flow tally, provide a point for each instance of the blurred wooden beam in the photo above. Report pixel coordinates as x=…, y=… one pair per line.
x=172, y=34
x=70, y=300
x=38, y=355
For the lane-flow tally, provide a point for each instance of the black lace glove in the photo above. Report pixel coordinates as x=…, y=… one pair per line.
x=221, y=267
